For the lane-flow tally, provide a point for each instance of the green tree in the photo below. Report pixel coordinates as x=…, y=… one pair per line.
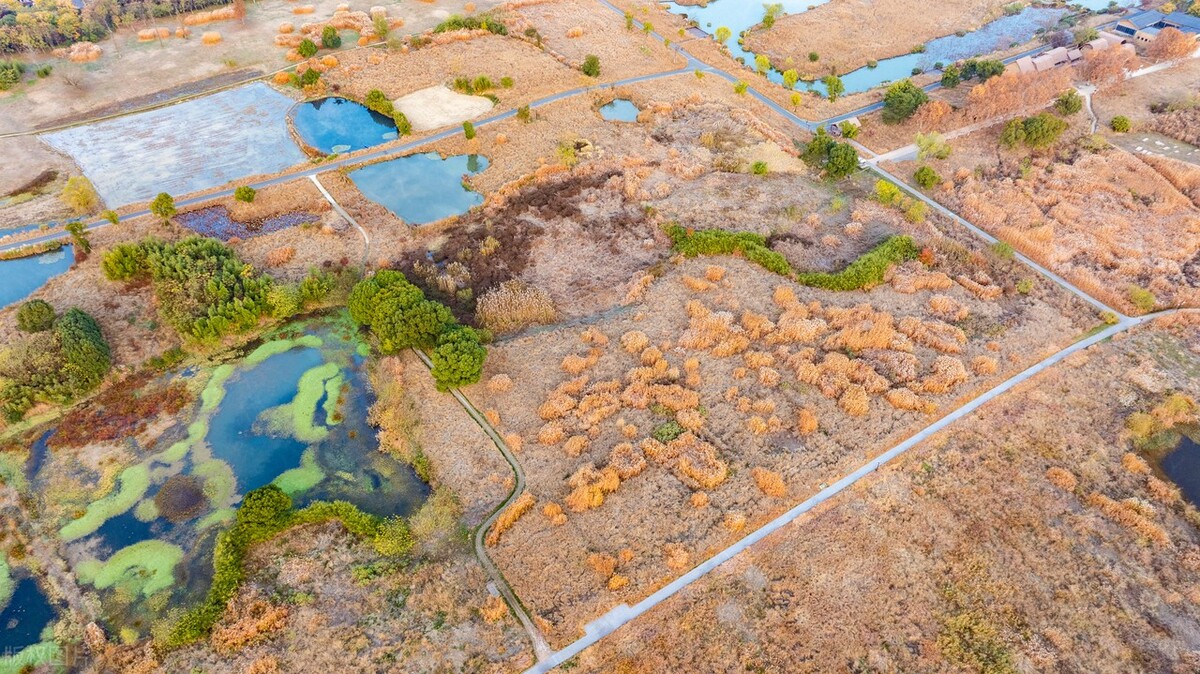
x=951, y=76
x=468, y=130
x=365, y=296
x=591, y=65
x=330, y=38
x=1069, y=103
x=1042, y=130
x=381, y=27
x=926, y=177
x=1013, y=133
x=377, y=101
x=163, y=206
x=834, y=87
x=402, y=323
x=79, y=236
x=762, y=64
x=79, y=195
x=740, y=87
x=931, y=146
x=849, y=130
x=307, y=48
x=816, y=152
x=264, y=508
x=790, y=77
x=1120, y=124
x=111, y=217
x=245, y=194
x=86, y=355
x=458, y=359
x=723, y=34
x=394, y=538
x=403, y=126
x=843, y=160
x=901, y=101
x=35, y=316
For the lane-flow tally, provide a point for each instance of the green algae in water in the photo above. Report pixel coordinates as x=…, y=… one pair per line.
x=220, y=483
x=214, y=518
x=296, y=418
x=214, y=392
x=6, y=583
x=278, y=346
x=134, y=481
x=301, y=479
x=333, y=392
x=144, y=568
x=30, y=657
x=145, y=511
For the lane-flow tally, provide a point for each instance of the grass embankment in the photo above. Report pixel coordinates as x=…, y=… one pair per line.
x=868, y=270
x=30, y=251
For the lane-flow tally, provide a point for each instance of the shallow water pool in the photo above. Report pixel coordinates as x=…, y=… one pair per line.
x=20, y=277
x=620, y=110
x=422, y=188
x=336, y=125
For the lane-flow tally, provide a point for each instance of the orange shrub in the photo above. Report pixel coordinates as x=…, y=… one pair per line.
x=555, y=514
x=499, y=383
x=677, y=557
x=698, y=499
x=769, y=482
x=509, y=517
x=1062, y=478
x=806, y=421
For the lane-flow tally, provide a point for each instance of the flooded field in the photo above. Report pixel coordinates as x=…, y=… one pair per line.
x=422, y=188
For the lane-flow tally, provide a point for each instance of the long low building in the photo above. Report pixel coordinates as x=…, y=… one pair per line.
x=1061, y=56
x=1145, y=27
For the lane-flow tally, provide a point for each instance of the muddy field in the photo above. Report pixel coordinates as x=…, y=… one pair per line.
x=1049, y=547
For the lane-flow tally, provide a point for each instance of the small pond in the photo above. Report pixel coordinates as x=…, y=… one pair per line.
x=422, y=188
x=20, y=277
x=335, y=125
x=24, y=618
x=216, y=222
x=620, y=110
x=291, y=411
x=1182, y=465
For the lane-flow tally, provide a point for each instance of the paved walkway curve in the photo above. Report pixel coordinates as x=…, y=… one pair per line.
x=541, y=647
x=623, y=614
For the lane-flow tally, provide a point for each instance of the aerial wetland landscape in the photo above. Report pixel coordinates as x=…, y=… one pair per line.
x=615, y=336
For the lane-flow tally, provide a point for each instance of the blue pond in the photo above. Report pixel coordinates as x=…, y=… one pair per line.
x=1182, y=465
x=20, y=277
x=422, y=188
x=620, y=110
x=27, y=614
x=335, y=125
x=215, y=221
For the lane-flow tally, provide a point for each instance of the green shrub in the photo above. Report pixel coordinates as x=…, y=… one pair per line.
x=814, y=56
x=80, y=195
x=394, y=538
x=1025, y=286
x=44, y=71
x=330, y=38
x=1003, y=250
x=720, y=242
x=111, y=217
x=1038, y=131
x=1141, y=298
x=868, y=270
x=667, y=432
x=35, y=316
x=10, y=73
x=163, y=206
x=759, y=168
x=926, y=177
x=983, y=69
x=887, y=193
x=849, y=130
x=468, y=130
x=79, y=236
x=457, y=22
x=902, y=100
x=377, y=101
x=834, y=87
x=403, y=126
x=740, y=87
x=524, y=114
x=931, y=146
x=1120, y=124
x=482, y=83
x=307, y=48
x=1069, y=103
x=591, y=66
x=951, y=76
x=309, y=77
x=506, y=82
x=245, y=193
x=458, y=358
x=55, y=365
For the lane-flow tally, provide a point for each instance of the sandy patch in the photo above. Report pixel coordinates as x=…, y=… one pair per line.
x=438, y=106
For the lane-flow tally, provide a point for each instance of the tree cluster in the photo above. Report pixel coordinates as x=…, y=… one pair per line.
x=901, y=101
x=836, y=159
x=1039, y=131
x=61, y=359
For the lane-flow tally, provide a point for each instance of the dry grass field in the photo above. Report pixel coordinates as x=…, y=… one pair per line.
x=1032, y=536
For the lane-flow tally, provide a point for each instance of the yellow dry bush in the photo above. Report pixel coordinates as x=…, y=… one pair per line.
x=514, y=442
x=575, y=445
x=627, y=430
x=757, y=326
x=1141, y=425
x=281, y=78
x=650, y=355
x=329, y=61
x=636, y=396
x=806, y=421
x=863, y=374
x=769, y=377
x=280, y=256
x=1162, y=491
x=635, y=341
x=855, y=401
x=691, y=420
x=555, y=514
x=606, y=386
x=743, y=405
x=500, y=383
x=984, y=365
x=795, y=327
x=785, y=297
x=551, y=434
x=572, y=387
x=574, y=364
x=514, y=305
x=904, y=399
x=575, y=31
x=698, y=465
x=603, y=564
x=731, y=346
x=696, y=284
x=509, y=517
x=1176, y=409
x=714, y=273
x=948, y=372
x=585, y=498
x=731, y=394
x=627, y=460
x=210, y=38
x=1062, y=478
x=617, y=582
x=494, y=609
x=1129, y=515
x=765, y=406
x=593, y=336
x=769, y=482
x=674, y=397
x=492, y=416
x=757, y=425
x=557, y=406
x=303, y=9
x=740, y=372
x=898, y=366
x=596, y=407
x=933, y=334
x=677, y=557
x=698, y=499
x=734, y=522
x=286, y=27
x=691, y=365
x=1135, y=464
x=948, y=308
x=657, y=451
x=757, y=359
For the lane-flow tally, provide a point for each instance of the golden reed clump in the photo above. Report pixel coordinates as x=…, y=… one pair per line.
x=555, y=514
x=509, y=517
x=500, y=383
x=1062, y=478
x=806, y=421
x=769, y=482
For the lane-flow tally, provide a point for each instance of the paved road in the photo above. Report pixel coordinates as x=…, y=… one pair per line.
x=540, y=646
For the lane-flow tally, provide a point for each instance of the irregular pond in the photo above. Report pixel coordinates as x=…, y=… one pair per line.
x=292, y=411
x=1182, y=465
x=20, y=277
x=335, y=125
x=620, y=110
x=215, y=221
x=25, y=616
x=422, y=188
